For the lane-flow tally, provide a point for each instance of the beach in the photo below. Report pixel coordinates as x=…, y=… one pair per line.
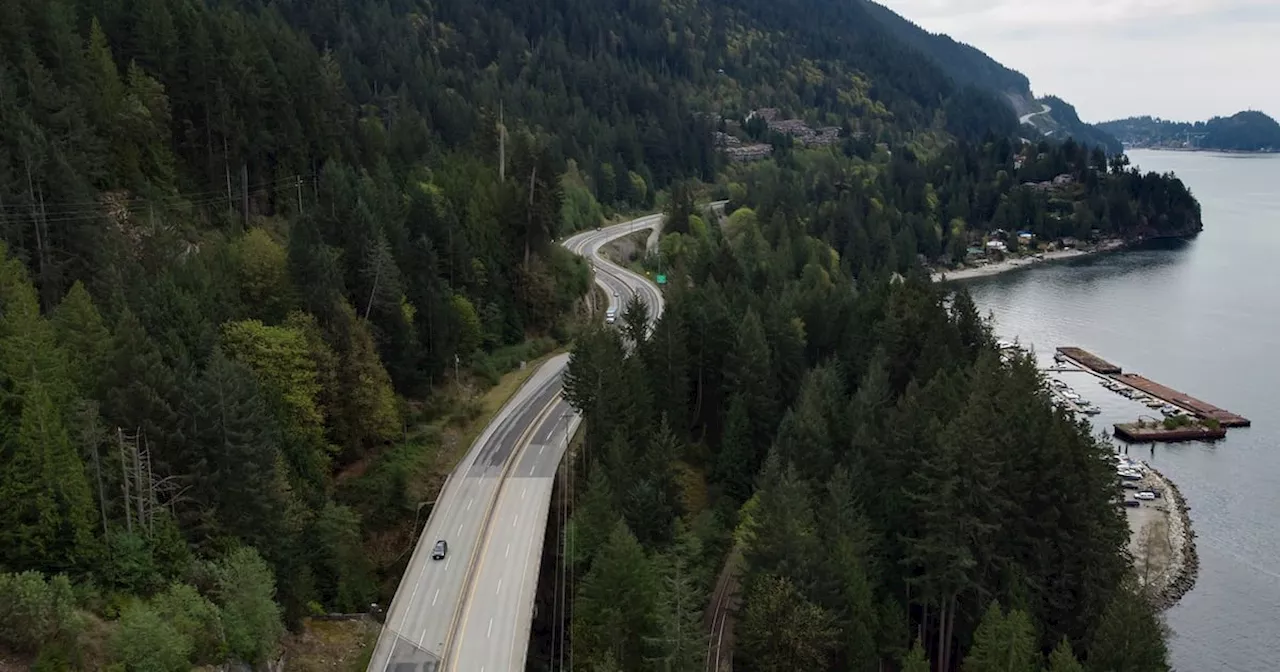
x=1014, y=263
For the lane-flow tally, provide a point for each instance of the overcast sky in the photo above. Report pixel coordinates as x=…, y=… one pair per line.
x=1186, y=60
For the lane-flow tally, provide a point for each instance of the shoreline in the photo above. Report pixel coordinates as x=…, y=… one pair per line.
x=1013, y=264
x=1206, y=150
x=1178, y=575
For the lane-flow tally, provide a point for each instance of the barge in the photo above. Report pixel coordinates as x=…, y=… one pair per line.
x=1147, y=432
x=1089, y=360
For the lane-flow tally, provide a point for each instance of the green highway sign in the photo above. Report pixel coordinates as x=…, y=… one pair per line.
x=661, y=279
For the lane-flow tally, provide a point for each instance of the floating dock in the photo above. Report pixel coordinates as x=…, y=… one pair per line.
x=1201, y=409
x=1147, y=432
x=1089, y=360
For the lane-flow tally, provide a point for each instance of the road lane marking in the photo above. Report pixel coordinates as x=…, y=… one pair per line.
x=489, y=633
x=446, y=564
x=531, y=470
x=459, y=528
x=523, y=491
x=542, y=448
x=475, y=565
x=517, y=519
x=433, y=600
x=499, y=590
x=469, y=503
x=505, y=554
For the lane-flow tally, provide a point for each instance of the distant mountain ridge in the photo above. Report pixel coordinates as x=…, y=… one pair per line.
x=968, y=65
x=1248, y=131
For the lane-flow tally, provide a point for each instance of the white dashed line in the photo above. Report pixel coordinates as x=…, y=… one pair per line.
x=459, y=528
x=513, y=523
x=433, y=600
x=522, y=492
x=469, y=503
x=499, y=590
x=489, y=632
x=531, y=470
x=505, y=554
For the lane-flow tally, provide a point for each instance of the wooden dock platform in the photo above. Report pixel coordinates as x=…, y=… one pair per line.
x=1147, y=432
x=1089, y=360
x=1201, y=409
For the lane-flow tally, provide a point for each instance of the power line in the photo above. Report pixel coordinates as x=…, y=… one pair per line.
x=66, y=213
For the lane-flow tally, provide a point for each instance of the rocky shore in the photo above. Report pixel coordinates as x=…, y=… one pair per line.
x=1182, y=575
x=1178, y=574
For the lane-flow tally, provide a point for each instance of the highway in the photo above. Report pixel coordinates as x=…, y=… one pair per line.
x=473, y=610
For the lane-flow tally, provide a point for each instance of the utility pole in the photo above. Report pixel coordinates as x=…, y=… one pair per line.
x=244, y=191
x=502, y=147
x=124, y=483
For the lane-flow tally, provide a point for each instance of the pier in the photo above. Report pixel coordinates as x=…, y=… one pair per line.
x=1089, y=360
x=1201, y=409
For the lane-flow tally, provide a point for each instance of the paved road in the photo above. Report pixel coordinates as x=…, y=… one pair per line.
x=474, y=609
x=497, y=614
x=1026, y=118
x=423, y=612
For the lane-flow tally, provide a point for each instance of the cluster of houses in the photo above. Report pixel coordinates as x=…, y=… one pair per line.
x=736, y=150
x=1060, y=182
x=802, y=133
x=997, y=244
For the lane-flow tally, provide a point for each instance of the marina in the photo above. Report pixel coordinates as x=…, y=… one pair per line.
x=1170, y=402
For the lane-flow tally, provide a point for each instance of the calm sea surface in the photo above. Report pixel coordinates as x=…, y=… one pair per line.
x=1202, y=317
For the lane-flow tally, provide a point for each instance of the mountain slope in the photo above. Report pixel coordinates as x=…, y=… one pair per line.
x=1249, y=131
x=969, y=65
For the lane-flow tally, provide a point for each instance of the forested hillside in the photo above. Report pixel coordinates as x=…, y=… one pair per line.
x=1249, y=131
x=969, y=66
x=891, y=492
x=254, y=255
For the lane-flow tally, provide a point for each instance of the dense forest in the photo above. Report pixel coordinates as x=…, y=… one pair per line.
x=1249, y=131
x=890, y=489
x=895, y=207
x=253, y=255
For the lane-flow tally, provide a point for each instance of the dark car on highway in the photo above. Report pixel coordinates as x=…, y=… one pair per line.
x=438, y=553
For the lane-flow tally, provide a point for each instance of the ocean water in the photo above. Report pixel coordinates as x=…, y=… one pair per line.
x=1202, y=317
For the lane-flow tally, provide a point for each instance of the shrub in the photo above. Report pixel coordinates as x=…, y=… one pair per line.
x=34, y=611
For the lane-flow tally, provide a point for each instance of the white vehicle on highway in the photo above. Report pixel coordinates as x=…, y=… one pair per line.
x=610, y=316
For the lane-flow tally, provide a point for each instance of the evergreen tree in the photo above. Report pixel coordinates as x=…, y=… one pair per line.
x=1129, y=637
x=233, y=444
x=749, y=373
x=615, y=604
x=635, y=320
x=46, y=512
x=1003, y=641
x=915, y=660
x=781, y=630
x=736, y=457
x=84, y=337
x=139, y=393
x=1063, y=659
